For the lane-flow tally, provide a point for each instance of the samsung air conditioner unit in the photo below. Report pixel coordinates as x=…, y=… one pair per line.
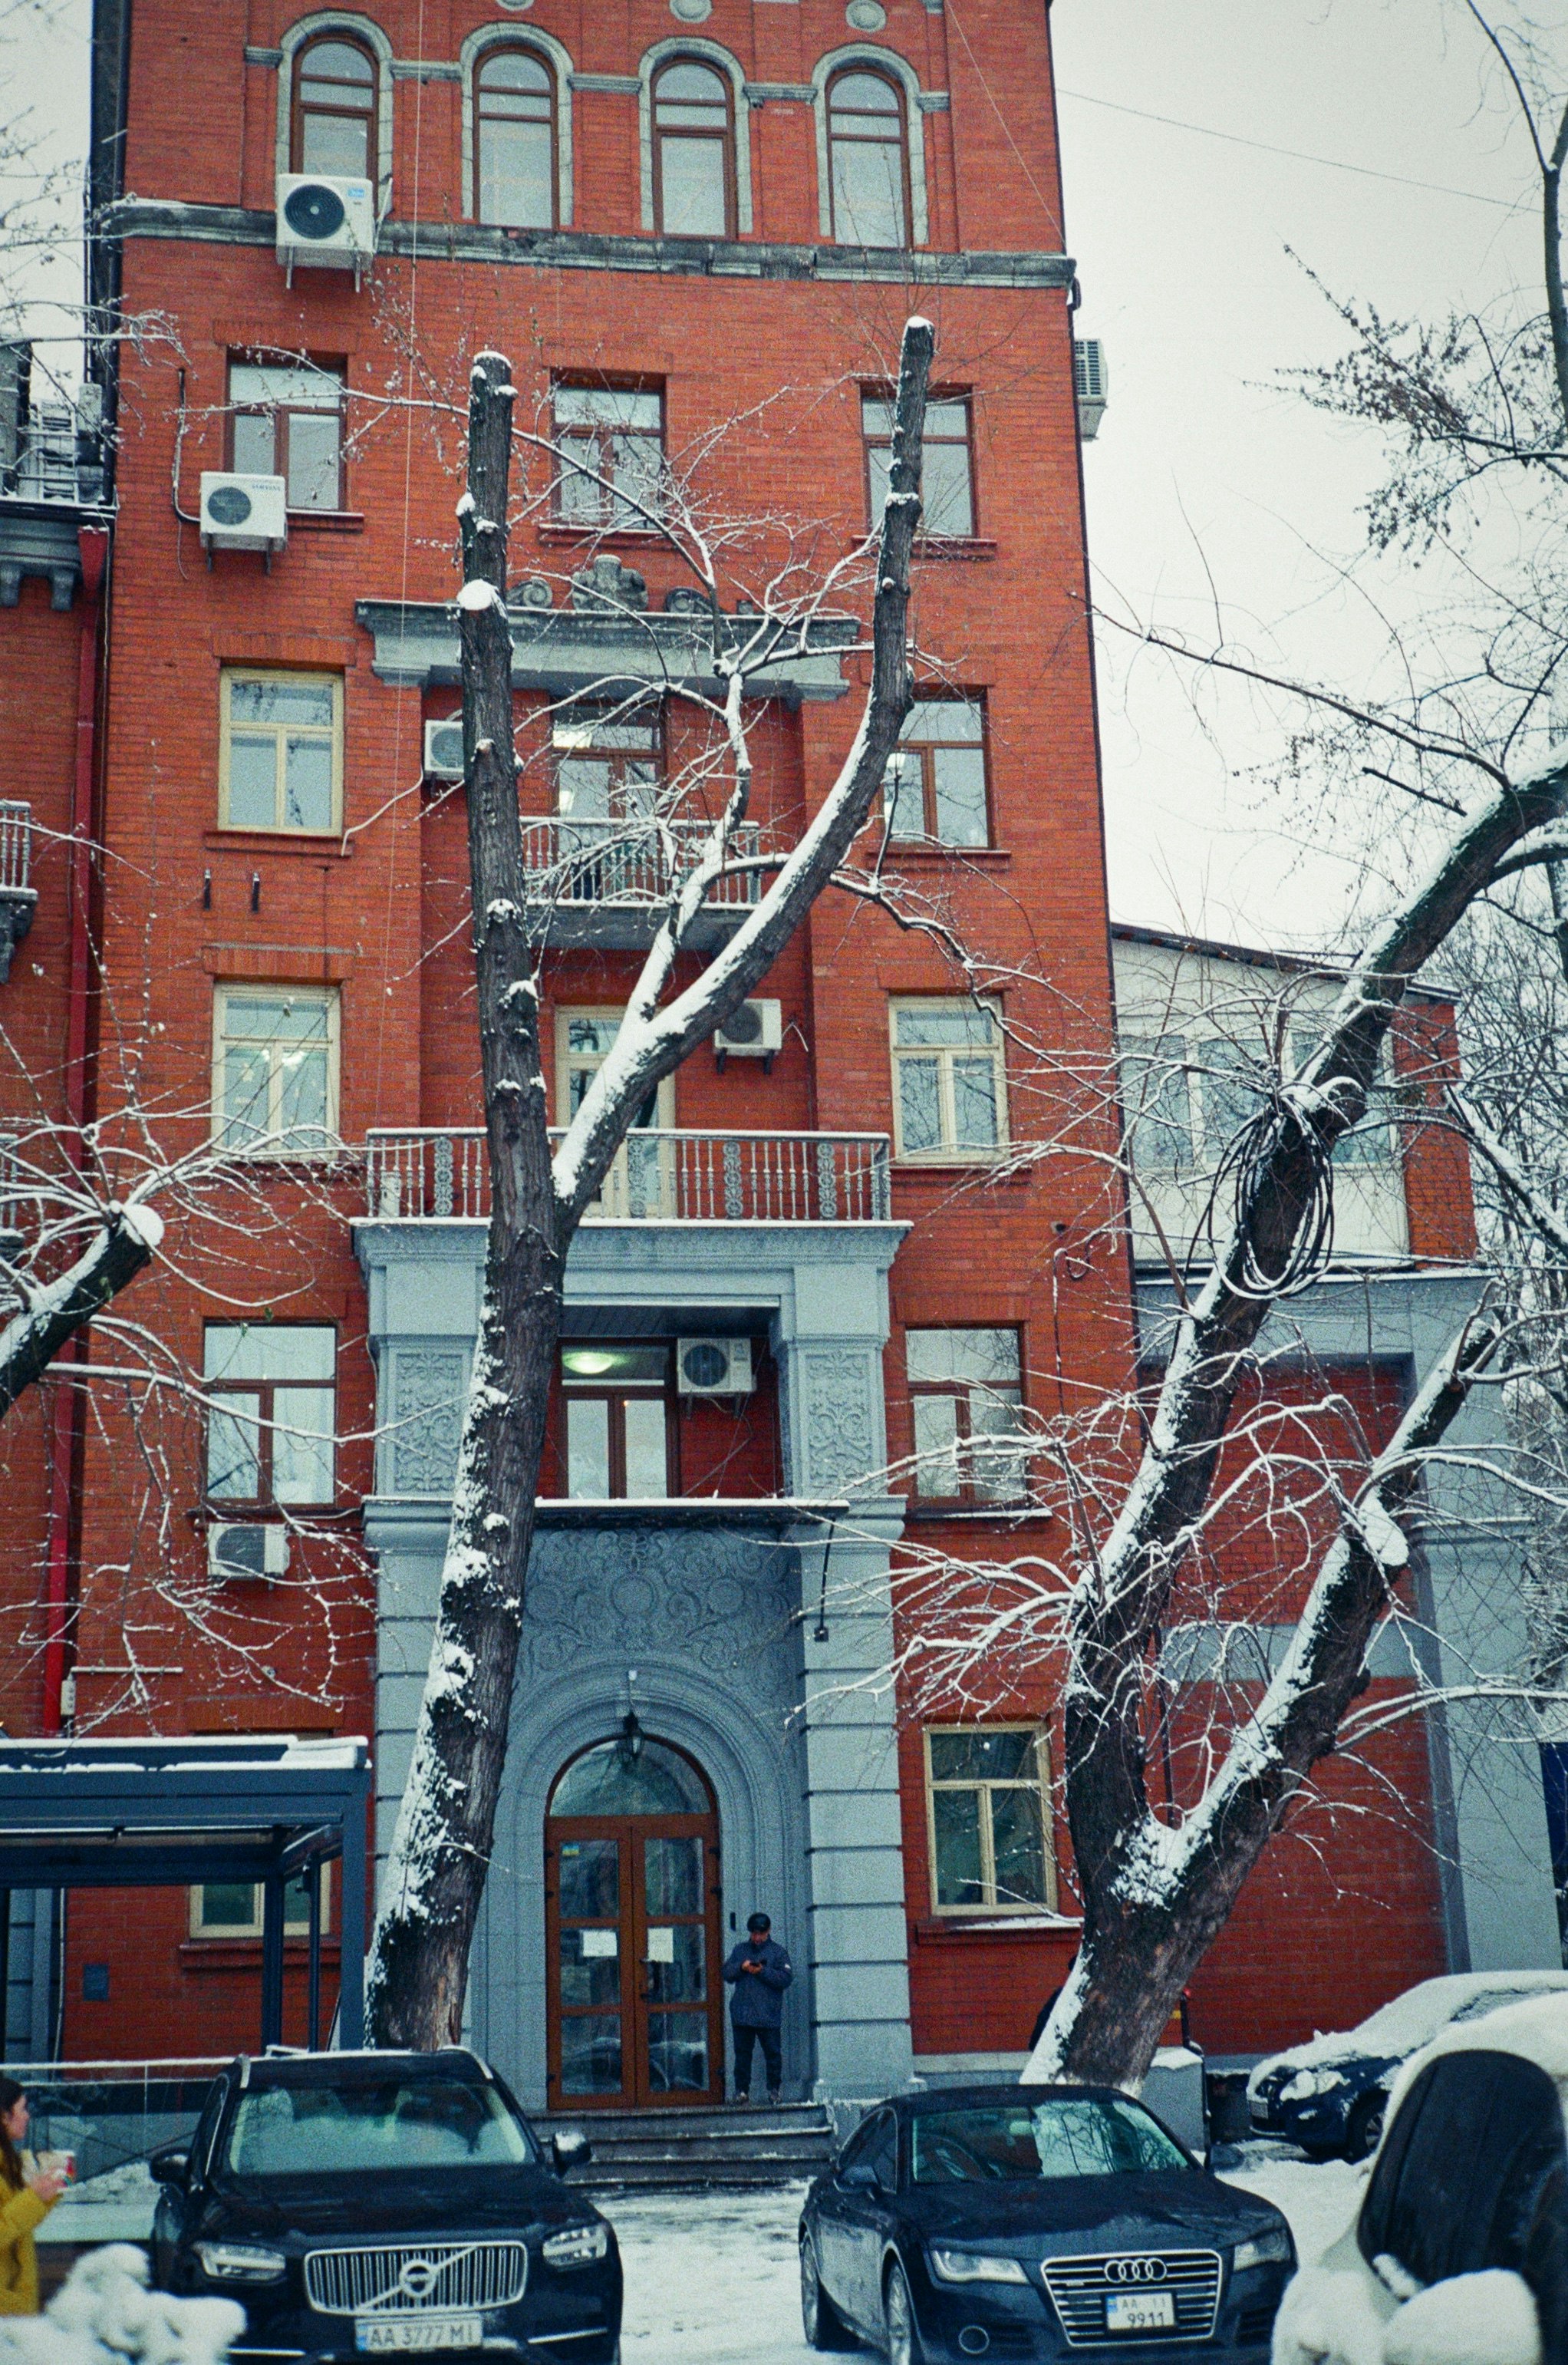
x=244, y=1549
x=713, y=1367
x=325, y=223
x=755, y=1031
x=1091, y=383
x=242, y=513
x=444, y=749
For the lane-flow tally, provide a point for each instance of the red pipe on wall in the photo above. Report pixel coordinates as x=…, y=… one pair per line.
x=93, y=542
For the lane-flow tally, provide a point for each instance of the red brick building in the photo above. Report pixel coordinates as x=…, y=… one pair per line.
x=820, y=1282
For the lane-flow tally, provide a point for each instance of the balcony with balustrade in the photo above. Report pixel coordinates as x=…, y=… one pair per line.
x=18, y=896
x=607, y=883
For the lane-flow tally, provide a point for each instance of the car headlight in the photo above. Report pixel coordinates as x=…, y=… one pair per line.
x=975, y=2267
x=578, y=2246
x=241, y=2263
x=1271, y=2248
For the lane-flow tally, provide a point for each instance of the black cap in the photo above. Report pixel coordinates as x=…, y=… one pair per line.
x=756, y=1922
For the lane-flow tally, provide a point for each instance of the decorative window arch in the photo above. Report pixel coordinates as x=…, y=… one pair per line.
x=557, y=61
x=866, y=58
x=365, y=35
x=704, y=53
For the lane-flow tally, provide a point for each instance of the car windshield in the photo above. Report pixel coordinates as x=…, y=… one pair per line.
x=353, y=2129
x=1015, y=2141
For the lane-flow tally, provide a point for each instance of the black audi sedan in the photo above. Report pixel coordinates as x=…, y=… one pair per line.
x=385, y=2205
x=1036, y=2222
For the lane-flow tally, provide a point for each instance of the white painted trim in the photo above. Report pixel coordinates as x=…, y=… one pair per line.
x=512, y=35
x=692, y=45
x=339, y=20
x=888, y=62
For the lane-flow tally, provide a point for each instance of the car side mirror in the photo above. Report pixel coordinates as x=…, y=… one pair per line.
x=171, y=2166
x=569, y=2150
x=859, y=2176
x=1493, y=2313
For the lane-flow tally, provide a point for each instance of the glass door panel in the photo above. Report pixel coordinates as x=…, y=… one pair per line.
x=589, y=1954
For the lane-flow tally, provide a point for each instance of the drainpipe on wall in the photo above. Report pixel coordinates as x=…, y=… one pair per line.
x=58, y=1685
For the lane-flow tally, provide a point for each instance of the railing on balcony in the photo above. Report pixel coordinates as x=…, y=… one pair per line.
x=16, y=847
x=628, y=862
x=659, y=1176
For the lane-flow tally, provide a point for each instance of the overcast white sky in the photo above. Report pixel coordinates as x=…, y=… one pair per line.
x=1207, y=481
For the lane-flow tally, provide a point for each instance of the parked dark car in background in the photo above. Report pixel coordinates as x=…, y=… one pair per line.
x=384, y=2204
x=1330, y=2096
x=1034, y=2222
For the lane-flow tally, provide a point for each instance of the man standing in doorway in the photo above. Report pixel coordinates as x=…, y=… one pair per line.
x=758, y=1972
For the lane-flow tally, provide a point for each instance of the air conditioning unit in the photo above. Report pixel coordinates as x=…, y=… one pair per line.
x=755, y=1031
x=713, y=1367
x=236, y=1550
x=1091, y=383
x=242, y=513
x=325, y=223
x=444, y=749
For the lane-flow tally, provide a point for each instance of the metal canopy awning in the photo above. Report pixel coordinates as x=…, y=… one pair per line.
x=178, y=1812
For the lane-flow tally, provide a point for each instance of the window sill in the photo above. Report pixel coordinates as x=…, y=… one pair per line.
x=280, y=841
x=239, y=1954
x=953, y=545
x=559, y=536
x=938, y=850
x=908, y=1169
x=326, y=520
x=932, y=1511
x=979, y=1925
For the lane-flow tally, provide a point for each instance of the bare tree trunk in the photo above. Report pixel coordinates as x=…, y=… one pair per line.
x=31, y=1341
x=447, y=1820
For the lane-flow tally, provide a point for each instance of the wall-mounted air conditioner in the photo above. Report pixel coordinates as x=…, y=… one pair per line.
x=236, y=1550
x=755, y=1031
x=325, y=223
x=713, y=1367
x=242, y=513
x=444, y=749
x=1092, y=381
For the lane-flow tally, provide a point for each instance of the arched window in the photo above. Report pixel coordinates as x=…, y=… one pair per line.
x=631, y=1777
x=514, y=134
x=694, y=152
x=867, y=160
x=334, y=109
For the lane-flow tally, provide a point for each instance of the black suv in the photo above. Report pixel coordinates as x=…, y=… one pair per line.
x=385, y=2205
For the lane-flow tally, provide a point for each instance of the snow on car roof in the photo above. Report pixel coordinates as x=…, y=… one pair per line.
x=1536, y=2029
x=1412, y=2019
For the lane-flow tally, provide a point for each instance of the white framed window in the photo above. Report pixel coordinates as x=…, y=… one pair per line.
x=271, y=1413
x=275, y=1068
x=988, y=1808
x=233, y=1909
x=280, y=751
x=967, y=1404
x=1185, y=1097
x=641, y=1178
x=950, y=1080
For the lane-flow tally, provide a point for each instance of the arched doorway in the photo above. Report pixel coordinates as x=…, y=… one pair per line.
x=632, y=1929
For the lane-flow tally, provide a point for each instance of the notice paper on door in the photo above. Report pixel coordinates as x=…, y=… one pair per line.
x=661, y=1945
x=599, y=1943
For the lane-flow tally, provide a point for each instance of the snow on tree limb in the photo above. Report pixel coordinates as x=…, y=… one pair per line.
x=57, y=1310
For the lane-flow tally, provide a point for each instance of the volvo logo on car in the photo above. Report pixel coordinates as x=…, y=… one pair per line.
x=1134, y=2270
x=418, y=2279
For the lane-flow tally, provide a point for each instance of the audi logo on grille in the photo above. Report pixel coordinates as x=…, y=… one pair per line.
x=1134, y=2270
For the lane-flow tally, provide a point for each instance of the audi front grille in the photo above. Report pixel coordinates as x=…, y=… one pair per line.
x=1080, y=2288
x=401, y=2278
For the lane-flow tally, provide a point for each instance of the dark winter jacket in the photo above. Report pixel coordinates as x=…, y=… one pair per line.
x=758, y=1998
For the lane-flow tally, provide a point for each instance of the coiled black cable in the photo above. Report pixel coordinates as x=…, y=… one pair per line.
x=1242, y=1177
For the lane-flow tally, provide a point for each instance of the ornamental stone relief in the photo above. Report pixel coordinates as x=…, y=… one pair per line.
x=429, y=1421
x=839, y=1436
x=726, y=1602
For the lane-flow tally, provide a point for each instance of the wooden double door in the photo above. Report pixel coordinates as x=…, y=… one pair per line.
x=634, y=1942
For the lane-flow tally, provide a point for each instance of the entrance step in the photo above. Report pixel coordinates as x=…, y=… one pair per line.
x=676, y=2150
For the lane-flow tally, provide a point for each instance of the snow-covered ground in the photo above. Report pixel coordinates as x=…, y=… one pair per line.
x=712, y=2278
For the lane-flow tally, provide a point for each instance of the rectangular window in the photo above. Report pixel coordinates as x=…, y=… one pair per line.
x=275, y=1084
x=935, y=784
x=272, y=1416
x=233, y=1909
x=280, y=754
x=610, y=444
x=947, y=474
x=1157, y=1101
x=949, y=1089
x=987, y=1791
x=609, y=768
x=286, y=419
x=615, y=1422
x=967, y=1400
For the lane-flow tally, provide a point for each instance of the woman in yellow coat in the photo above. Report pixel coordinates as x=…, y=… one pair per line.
x=26, y=2199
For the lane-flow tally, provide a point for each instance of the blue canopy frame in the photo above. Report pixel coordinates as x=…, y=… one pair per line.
x=180, y=1811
